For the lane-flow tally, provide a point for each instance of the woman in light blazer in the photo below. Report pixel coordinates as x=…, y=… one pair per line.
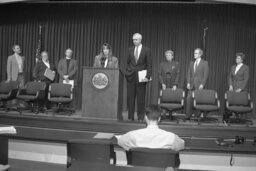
x=105, y=59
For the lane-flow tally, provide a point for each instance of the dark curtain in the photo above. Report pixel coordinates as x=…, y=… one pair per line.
x=85, y=27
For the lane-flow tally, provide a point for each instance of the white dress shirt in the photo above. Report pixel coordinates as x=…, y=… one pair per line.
x=238, y=67
x=139, y=51
x=20, y=64
x=46, y=63
x=151, y=137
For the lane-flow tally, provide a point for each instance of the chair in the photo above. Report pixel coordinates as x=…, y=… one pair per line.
x=161, y=158
x=34, y=93
x=62, y=94
x=91, y=150
x=239, y=104
x=8, y=91
x=171, y=100
x=206, y=101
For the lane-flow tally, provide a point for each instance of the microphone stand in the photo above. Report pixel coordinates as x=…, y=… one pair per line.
x=204, y=39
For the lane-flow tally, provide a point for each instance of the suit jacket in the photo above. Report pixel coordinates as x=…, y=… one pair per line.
x=71, y=70
x=13, y=68
x=112, y=62
x=144, y=63
x=199, y=76
x=169, y=73
x=240, y=79
x=39, y=71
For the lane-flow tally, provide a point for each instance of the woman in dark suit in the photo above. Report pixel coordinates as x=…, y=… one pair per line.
x=239, y=74
x=169, y=71
x=105, y=59
x=39, y=71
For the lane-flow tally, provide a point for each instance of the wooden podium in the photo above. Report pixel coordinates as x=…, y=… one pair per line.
x=102, y=93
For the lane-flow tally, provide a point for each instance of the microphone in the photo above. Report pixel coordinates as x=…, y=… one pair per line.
x=206, y=28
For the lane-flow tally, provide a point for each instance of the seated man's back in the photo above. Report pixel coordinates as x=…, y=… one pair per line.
x=151, y=136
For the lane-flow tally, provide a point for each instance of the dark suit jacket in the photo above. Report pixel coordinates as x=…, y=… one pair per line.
x=199, y=76
x=144, y=63
x=39, y=71
x=169, y=73
x=240, y=79
x=12, y=67
x=112, y=62
x=71, y=70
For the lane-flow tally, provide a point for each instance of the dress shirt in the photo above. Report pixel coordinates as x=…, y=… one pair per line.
x=196, y=63
x=151, y=137
x=238, y=67
x=46, y=63
x=139, y=50
x=19, y=61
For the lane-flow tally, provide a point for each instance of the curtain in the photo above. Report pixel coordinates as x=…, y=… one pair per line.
x=84, y=27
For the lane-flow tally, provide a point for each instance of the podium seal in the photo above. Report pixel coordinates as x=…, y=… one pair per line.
x=100, y=81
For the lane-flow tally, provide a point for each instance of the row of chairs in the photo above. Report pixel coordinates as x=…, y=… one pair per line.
x=102, y=151
x=207, y=101
x=34, y=93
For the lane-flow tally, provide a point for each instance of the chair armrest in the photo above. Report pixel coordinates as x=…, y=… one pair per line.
x=182, y=102
x=194, y=102
x=49, y=92
x=218, y=103
x=21, y=92
x=251, y=104
x=40, y=94
x=193, y=94
x=227, y=104
x=158, y=100
x=161, y=93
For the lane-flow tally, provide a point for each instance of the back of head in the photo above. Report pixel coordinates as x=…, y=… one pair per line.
x=153, y=112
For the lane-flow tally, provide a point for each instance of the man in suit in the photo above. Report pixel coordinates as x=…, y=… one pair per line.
x=15, y=66
x=197, y=77
x=239, y=75
x=67, y=69
x=138, y=59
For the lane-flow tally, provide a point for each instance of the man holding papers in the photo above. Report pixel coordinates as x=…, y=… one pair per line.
x=67, y=69
x=138, y=73
x=44, y=71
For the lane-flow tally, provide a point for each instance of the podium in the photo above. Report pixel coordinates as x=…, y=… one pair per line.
x=102, y=93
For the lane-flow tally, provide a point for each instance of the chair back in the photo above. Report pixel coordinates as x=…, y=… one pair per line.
x=33, y=87
x=172, y=96
x=238, y=98
x=205, y=96
x=153, y=157
x=60, y=90
x=90, y=150
x=5, y=88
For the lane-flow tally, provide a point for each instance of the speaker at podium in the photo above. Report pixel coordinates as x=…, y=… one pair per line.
x=102, y=93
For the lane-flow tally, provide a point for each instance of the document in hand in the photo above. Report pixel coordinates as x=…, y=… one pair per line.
x=7, y=130
x=141, y=75
x=71, y=82
x=49, y=74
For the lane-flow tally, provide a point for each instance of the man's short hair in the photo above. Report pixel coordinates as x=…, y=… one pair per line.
x=153, y=112
x=137, y=34
x=241, y=54
x=200, y=51
x=69, y=49
x=168, y=51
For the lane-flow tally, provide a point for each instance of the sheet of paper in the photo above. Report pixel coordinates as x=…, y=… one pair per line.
x=7, y=130
x=49, y=74
x=141, y=75
x=102, y=135
x=71, y=82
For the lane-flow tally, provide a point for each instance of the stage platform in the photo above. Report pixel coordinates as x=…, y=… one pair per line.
x=77, y=124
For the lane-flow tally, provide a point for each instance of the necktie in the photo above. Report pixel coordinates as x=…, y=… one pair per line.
x=195, y=66
x=136, y=53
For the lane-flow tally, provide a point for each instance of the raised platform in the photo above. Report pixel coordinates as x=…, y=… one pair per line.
x=76, y=125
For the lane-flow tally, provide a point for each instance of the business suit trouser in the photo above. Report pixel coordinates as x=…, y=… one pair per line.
x=136, y=90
